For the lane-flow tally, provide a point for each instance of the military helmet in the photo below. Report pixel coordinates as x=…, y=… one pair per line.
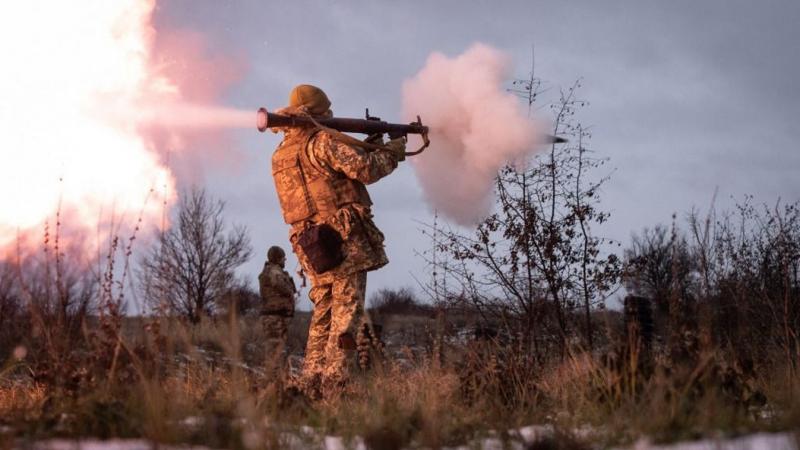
x=275, y=254
x=311, y=97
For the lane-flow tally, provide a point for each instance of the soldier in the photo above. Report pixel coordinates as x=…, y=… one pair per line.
x=320, y=184
x=278, y=296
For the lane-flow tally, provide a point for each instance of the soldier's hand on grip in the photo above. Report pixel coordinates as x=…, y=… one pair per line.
x=376, y=139
x=398, y=148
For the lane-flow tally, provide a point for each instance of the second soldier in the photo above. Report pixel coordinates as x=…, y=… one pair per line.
x=278, y=301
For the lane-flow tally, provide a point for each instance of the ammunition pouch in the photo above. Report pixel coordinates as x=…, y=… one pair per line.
x=322, y=246
x=346, y=342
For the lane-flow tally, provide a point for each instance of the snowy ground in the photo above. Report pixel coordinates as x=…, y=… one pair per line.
x=760, y=441
x=520, y=440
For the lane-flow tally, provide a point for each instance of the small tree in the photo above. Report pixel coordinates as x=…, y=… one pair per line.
x=659, y=266
x=191, y=268
x=733, y=277
x=534, y=265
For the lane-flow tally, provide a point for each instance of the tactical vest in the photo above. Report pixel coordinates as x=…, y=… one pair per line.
x=306, y=191
x=274, y=301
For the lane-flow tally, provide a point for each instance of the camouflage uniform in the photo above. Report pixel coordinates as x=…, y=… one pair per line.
x=277, y=293
x=320, y=180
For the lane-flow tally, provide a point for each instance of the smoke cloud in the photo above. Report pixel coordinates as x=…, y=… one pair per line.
x=476, y=128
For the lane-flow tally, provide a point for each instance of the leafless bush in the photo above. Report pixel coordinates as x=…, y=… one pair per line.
x=534, y=266
x=660, y=268
x=11, y=310
x=64, y=307
x=735, y=280
x=748, y=283
x=191, y=268
x=398, y=302
x=241, y=299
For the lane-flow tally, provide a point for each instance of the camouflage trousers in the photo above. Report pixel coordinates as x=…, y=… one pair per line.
x=275, y=331
x=338, y=312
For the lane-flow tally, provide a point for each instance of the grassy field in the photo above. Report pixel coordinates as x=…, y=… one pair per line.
x=208, y=384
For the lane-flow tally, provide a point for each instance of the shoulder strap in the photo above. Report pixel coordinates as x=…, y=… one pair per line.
x=304, y=163
x=305, y=158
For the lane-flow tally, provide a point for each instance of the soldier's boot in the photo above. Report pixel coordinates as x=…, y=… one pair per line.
x=339, y=366
x=308, y=386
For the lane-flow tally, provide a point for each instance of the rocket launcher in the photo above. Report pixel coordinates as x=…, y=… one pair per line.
x=369, y=126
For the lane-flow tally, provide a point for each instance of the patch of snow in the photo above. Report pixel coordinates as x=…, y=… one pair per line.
x=759, y=441
x=766, y=413
x=97, y=444
x=498, y=444
x=586, y=432
x=533, y=433
x=291, y=441
x=307, y=437
x=337, y=443
x=193, y=422
x=252, y=439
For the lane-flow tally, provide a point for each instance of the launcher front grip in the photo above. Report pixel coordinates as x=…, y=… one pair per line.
x=266, y=120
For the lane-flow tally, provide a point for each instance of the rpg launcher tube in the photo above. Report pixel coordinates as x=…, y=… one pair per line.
x=266, y=119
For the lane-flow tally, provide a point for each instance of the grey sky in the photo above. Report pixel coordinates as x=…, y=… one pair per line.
x=686, y=96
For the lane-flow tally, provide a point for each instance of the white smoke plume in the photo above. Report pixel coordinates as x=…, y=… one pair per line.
x=476, y=128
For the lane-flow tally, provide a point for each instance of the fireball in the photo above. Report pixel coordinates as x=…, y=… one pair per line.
x=69, y=69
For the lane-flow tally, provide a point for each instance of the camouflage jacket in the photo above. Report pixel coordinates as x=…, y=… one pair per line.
x=277, y=290
x=333, y=163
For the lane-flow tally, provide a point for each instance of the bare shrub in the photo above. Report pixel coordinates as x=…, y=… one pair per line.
x=397, y=302
x=191, y=268
x=534, y=266
x=734, y=282
x=65, y=308
x=749, y=282
x=240, y=299
x=11, y=310
x=659, y=266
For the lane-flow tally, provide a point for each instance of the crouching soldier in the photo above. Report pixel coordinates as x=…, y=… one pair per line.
x=278, y=297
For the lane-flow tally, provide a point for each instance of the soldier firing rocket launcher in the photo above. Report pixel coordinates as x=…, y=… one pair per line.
x=370, y=126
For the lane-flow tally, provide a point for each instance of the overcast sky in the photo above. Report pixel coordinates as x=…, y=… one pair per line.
x=686, y=97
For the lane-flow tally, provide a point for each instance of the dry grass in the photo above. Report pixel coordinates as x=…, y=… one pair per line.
x=398, y=406
x=207, y=384
x=22, y=400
